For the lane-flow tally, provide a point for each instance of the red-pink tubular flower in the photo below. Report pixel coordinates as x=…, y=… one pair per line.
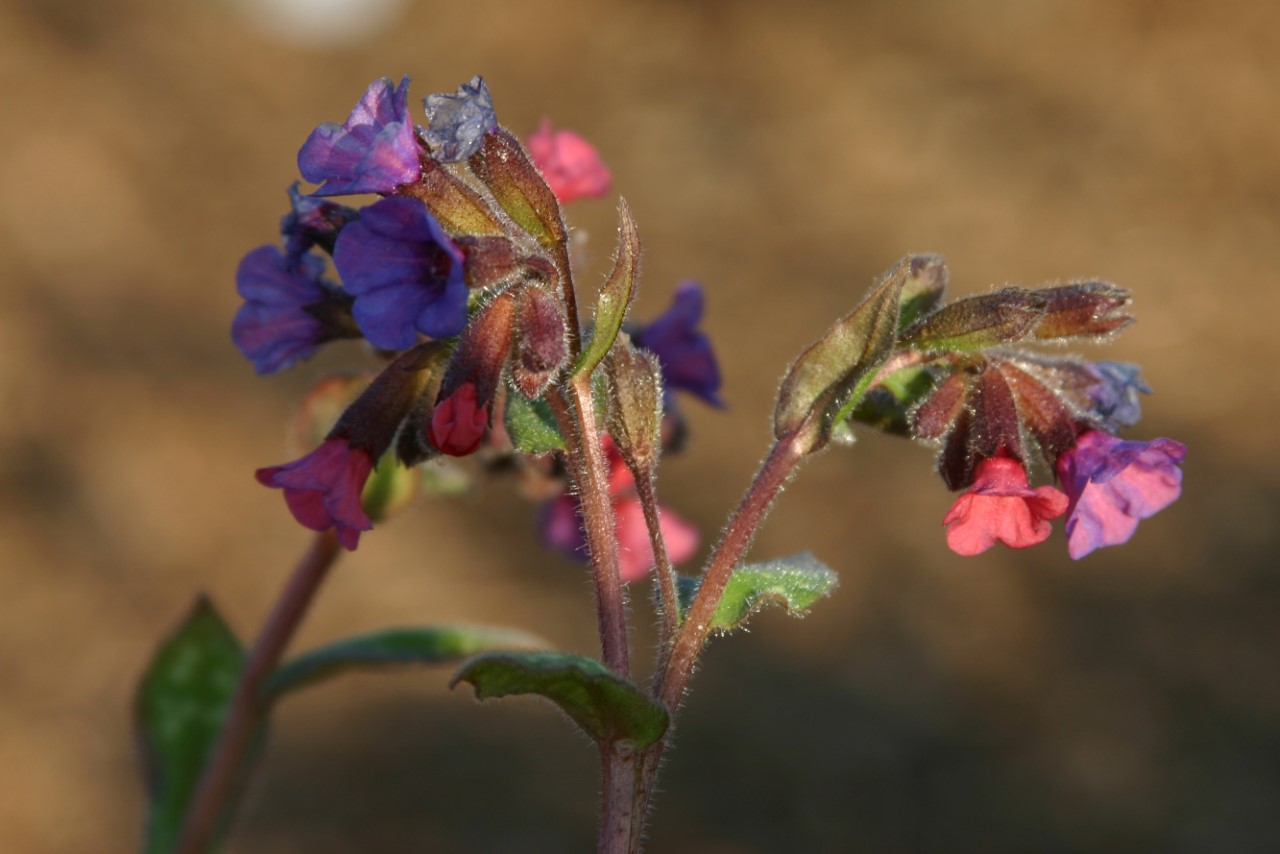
x=1001, y=506
x=571, y=166
x=458, y=423
x=323, y=489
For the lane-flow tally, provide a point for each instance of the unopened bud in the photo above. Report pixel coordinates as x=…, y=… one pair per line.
x=1083, y=310
x=635, y=410
x=504, y=167
x=975, y=323
x=542, y=347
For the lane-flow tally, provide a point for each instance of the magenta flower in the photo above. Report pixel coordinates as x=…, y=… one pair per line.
x=405, y=273
x=571, y=166
x=374, y=151
x=1001, y=506
x=323, y=489
x=274, y=328
x=1113, y=484
x=683, y=350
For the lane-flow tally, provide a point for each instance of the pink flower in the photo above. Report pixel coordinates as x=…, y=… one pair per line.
x=323, y=489
x=458, y=423
x=635, y=551
x=561, y=525
x=1001, y=506
x=1113, y=484
x=569, y=163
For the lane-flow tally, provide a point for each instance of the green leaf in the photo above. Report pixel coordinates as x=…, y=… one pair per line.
x=616, y=294
x=794, y=582
x=391, y=648
x=532, y=426
x=830, y=377
x=179, y=708
x=608, y=707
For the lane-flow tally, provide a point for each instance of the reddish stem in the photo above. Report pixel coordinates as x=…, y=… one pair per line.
x=589, y=467
x=216, y=791
x=666, y=574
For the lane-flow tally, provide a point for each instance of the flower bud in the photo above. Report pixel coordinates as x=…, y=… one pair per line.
x=635, y=410
x=542, y=346
x=460, y=210
x=504, y=167
x=463, y=407
x=1082, y=309
x=975, y=323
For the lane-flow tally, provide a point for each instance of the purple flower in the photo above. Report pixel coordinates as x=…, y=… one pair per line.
x=683, y=350
x=274, y=328
x=456, y=124
x=1112, y=484
x=323, y=489
x=374, y=151
x=1115, y=395
x=312, y=222
x=405, y=274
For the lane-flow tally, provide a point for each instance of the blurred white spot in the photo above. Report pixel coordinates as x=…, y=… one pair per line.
x=316, y=23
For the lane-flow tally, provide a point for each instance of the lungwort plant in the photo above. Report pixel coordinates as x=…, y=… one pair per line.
x=460, y=277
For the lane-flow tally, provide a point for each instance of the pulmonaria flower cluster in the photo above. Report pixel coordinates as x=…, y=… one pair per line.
x=994, y=406
x=438, y=271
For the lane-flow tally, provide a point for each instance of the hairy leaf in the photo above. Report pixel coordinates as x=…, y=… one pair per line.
x=608, y=707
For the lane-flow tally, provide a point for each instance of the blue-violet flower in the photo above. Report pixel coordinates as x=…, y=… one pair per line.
x=374, y=151
x=405, y=273
x=273, y=329
x=456, y=124
x=684, y=351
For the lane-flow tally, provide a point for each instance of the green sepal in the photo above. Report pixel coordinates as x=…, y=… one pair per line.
x=794, y=582
x=608, y=707
x=518, y=187
x=180, y=705
x=616, y=294
x=392, y=648
x=887, y=405
x=974, y=323
x=532, y=426
x=390, y=488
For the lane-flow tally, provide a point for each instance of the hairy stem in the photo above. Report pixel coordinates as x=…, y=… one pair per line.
x=673, y=675
x=775, y=471
x=668, y=604
x=618, y=774
x=218, y=784
x=590, y=471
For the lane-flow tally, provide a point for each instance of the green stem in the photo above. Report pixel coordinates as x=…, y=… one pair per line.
x=216, y=792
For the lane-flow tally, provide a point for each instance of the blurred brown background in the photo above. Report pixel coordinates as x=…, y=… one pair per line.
x=784, y=154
